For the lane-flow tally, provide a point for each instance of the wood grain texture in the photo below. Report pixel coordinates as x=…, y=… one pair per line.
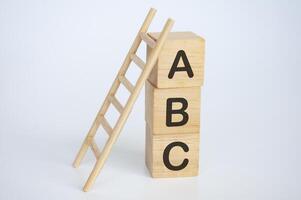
x=155, y=109
x=194, y=47
x=155, y=145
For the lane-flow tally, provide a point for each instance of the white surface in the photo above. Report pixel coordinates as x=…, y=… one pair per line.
x=58, y=60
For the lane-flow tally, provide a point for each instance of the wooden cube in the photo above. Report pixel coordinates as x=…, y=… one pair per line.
x=183, y=52
x=172, y=155
x=172, y=110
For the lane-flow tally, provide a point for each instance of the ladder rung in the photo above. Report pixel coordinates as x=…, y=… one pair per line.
x=149, y=41
x=139, y=62
x=116, y=103
x=126, y=83
x=95, y=148
x=106, y=125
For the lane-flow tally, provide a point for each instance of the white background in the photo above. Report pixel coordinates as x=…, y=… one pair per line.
x=58, y=59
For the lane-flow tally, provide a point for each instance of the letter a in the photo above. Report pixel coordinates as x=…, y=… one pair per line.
x=174, y=67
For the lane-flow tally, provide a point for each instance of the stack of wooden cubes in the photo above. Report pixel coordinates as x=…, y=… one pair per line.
x=172, y=106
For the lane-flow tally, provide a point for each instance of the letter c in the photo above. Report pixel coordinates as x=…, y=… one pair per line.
x=166, y=156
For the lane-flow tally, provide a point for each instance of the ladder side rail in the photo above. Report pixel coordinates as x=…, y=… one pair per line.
x=127, y=109
x=95, y=125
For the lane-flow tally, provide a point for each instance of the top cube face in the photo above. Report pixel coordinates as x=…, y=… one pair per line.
x=181, y=61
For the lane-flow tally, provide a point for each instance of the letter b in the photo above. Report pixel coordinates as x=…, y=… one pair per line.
x=181, y=111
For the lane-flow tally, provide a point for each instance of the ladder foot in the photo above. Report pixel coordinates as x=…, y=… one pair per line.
x=75, y=165
x=87, y=186
x=85, y=189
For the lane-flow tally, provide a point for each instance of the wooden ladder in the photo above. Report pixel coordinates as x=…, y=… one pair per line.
x=125, y=110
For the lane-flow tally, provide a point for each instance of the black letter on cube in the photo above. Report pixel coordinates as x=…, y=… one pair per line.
x=166, y=156
x=174, y=67
x=170, y=112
